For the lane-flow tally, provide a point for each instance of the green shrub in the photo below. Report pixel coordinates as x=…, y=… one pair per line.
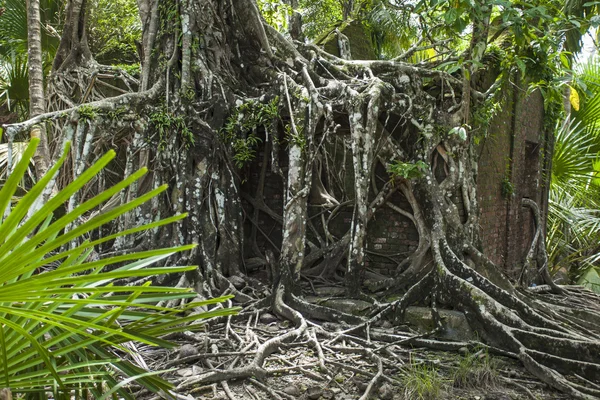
x=399, y=169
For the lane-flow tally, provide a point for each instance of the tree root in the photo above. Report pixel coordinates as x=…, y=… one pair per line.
x=256, y=367
x=548, y=349
x=548, y=341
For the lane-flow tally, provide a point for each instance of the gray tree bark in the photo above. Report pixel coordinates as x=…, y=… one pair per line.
x=37, y=104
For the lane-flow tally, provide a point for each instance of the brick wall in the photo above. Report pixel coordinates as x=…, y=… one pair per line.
x=513, y=151
x=494, y=166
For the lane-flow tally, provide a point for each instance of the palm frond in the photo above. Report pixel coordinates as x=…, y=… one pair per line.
x=393, y=31
x=65, y=330
x=572, y=161
x=14, y=85
x=13, y=27
x=18, y=149
x=573, y=226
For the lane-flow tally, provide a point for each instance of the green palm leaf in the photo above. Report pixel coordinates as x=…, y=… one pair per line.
x=573, y=229
x=14, y=83
x=66, y=330
x=13, y=26
x=572, y=161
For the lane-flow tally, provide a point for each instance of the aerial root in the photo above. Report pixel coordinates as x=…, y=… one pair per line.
x=537, y=252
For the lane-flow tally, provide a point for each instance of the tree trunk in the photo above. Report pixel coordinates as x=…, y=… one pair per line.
x=73, y=49
x=36, y=85
x=295, y=22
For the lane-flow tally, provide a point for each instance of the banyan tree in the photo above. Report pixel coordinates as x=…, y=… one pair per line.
x=236, y=116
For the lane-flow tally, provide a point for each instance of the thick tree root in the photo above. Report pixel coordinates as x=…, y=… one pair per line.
x=558, y=353
x=549, y=349
x=383, y=358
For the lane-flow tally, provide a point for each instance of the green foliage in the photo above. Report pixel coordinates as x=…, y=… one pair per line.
x=319, y=16
x=422, y=382
x=582, y=15
x=276, y=13
x=485, y=113
x=573, y=234
x=297, y=139
x=243, y=149
x=170, y=18
x=507, y=189
x=14, y=74
x=165, y=122
x=457, y=14
x=393, y=31
x=240, y=130
x=189, y=94
x=532, y=41
x=131, y=69
x=14, y=85
x=572, y=159
x=66, y=325
x=399, y=169
x=13, y=27
x=114, y=26
x=553, y=102
x=117, y=113
x=573, y=231
x=476, y=370
x=87, y=112
x=586, y=83
x=532, y=32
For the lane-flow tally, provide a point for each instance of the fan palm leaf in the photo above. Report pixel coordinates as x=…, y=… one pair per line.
x=14, y=85
x=572, y=161
x=573, y=229
x=18, y=149
x=67, y=330
x=13, y=26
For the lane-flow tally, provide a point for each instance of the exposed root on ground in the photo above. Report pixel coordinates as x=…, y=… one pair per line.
x=366, y=361
x=556, y=352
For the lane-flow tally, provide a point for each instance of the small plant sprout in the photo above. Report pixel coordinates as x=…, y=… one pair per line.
x=422, y=382
x=476, y=370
